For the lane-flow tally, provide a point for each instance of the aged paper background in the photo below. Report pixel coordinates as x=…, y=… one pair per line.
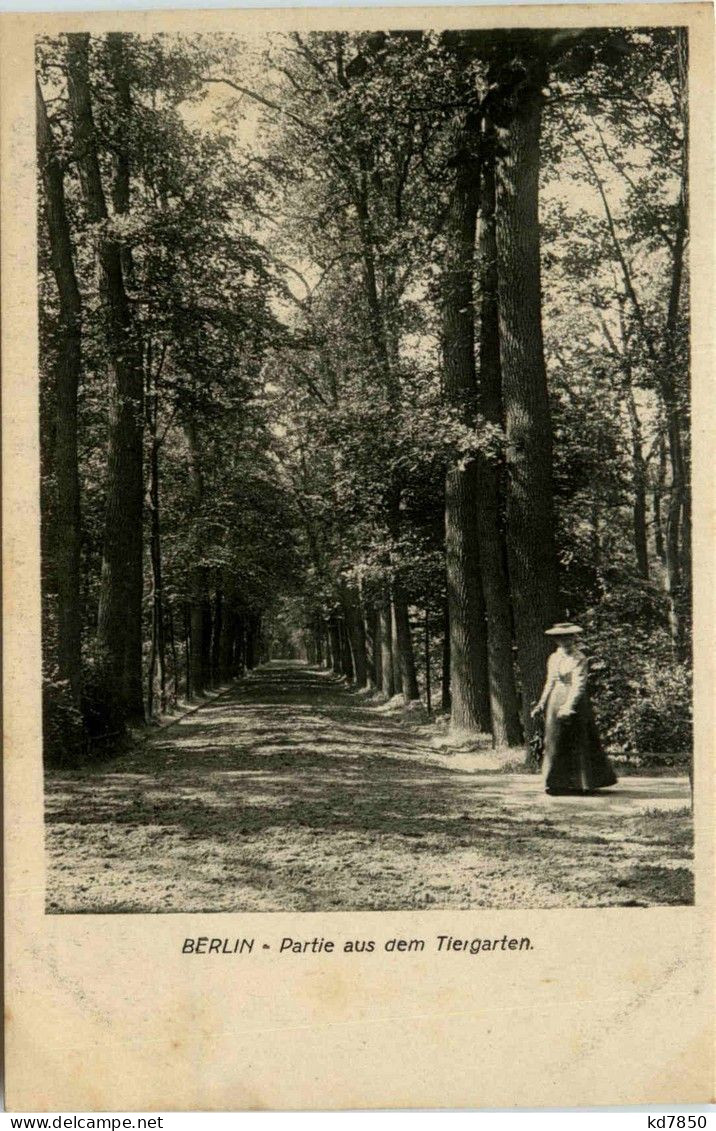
x=612, y=1006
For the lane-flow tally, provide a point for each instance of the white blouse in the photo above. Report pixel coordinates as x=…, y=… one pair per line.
x=572, y=671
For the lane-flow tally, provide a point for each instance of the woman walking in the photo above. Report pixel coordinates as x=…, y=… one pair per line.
x=574, y=761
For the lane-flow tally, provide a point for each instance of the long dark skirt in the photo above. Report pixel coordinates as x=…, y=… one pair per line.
x=574, y=761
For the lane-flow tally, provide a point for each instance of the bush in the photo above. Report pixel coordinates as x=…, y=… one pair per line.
x=73, y=735
x=101, y=713
x=656, y=719
x=642, y=693
x=64, y=741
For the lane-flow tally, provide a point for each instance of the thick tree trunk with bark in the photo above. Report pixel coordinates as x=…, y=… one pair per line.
x=121, y=187
x=200, y=638
x=217, y=621
x=206, y=639
x=318, y=645
x=355, y=630
x=346, y=658
x=401, y=641
x=638, y=463
x=385, y=349
x=369, y=636
x=468, y=670
x=678, y=581
x=376, y=648
x=120, y=604
x=186, y=625
x=657, y=497
x=196, y=646
x=329, y=648
x=445, y=699
x=317, y=637
x=157, y=665
x=175, y=659
x=66, y=525
x=395, y=651
x=532, y=556
x=677, y=542
x=504, y=702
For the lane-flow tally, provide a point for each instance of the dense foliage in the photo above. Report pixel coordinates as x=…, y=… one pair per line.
x=318, y=376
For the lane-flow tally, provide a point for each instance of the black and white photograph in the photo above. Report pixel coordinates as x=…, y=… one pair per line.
x=365, y=453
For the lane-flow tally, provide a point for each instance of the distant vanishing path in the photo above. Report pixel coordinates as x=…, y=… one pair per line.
x=291, y=793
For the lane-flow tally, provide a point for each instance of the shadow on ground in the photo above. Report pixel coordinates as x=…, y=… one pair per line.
x=291, y=793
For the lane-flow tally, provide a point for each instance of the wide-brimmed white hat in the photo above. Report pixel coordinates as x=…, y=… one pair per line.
x=563, y=630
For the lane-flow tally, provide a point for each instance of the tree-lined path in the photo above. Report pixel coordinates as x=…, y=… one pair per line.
x=291, y=792
x=367, y=349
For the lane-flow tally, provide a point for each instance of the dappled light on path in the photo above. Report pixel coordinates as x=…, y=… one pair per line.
x=292, y=793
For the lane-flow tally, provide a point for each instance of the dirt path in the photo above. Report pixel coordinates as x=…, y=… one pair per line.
x=291, y=793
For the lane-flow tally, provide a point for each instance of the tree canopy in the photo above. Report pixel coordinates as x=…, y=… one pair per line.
x=369, y=347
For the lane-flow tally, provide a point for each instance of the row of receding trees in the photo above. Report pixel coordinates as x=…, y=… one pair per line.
x=416, y=164
x=164, y=526
x=413, y=345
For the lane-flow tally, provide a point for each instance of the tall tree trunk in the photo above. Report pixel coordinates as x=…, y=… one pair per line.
x=320, y=645
x=369, y=629
x=261, y=639
x=679, y=509
x=206, y=639
x=197, y=578
x=395, y=651
x=376, y=325
x=216, y=637
x=119, y=632
x=686, y=561
x=677, y=582
x=356, y=634
x=406, y=657
x=386, y=648
x=318, y=642
x=175, y=660
x=532, y=556
x=656, y=499
x=196, y=640
x=66, y=532
x=376, y=649
x=335, y=638
x=404, y=681
x=504, y=703
x=468, y=671
x=446, y=699
x=121, y=189
x=638, y=479
x=157, y=666
x=596, y=536
x=385, y=349
x=346, y=657
x=186, y=618
x=426, y=637
x=227, y=636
